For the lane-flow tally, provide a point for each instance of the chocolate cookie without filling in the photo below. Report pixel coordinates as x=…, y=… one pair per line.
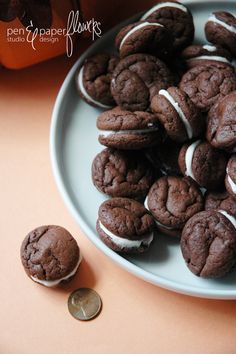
x=136, y=79
x=221, y=123
x=129, y=130
x=50, y=255
x=206, y=54
x=93, y=80
x=230, y=179
x=208, y=244
x=124, y=225
x=172, y=201
x=144, y=37
x=122, y=173
x=176, y=18
x=181, y=119
x=221, y=29
x=206, y=84
x=204, y=164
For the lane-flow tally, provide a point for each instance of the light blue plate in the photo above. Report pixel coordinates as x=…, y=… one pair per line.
x=73, y=144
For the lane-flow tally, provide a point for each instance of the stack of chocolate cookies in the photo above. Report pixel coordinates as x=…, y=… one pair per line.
x=169, y=131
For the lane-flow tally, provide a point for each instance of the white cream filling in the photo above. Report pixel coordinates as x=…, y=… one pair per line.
x=160, y=6
x=84, y=92
x=51, y=283
x=229, y=217
x=189, y=158
x=211, y=57
x=212, y=18
x=136, y=28
x=210, y=48
x=231, y=183
x=123, y=242
x=179, y=111
x=157, y=222
x=106, y=133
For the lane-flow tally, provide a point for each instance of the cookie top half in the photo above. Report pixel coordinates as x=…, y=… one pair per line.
x=137, y=78
x=221, y=123
x=122, y=173
x=173, y=200
x=220, y=29
x=93, y=80
x=208, y=244
x=177, y=18
x=206, y=84
x=49, y=253
x=129, y=130
x=145, y=37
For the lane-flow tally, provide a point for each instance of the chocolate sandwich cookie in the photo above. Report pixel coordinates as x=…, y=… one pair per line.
x=136, y=79
x=220, y=29
x=93, y=80
x=181, y=119
x=10, y=9
x=208, y=244
x=50, y=255
x=122, y=173
x=204, y=164
x=172, y=201
x=206, y=84
x=220, y=201
x=176, y=18
x=230, y=179
x=37, y=14
x=124, y=225
x=206, y=54
x=144, y=37
x=164, y=158
x=221, y=123
x=129, y=130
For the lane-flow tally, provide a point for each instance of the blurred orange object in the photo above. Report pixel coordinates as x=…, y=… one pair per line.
x=33, y=30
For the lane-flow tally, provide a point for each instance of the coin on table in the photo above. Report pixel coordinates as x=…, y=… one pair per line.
x=84, y=304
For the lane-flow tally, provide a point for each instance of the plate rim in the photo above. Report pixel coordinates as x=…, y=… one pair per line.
x=88, y=231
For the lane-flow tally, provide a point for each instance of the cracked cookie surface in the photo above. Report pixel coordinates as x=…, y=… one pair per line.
x=178, y=21
x=181, y=119
x=137, y=78
x=173, y=200
x=206, y=84
x=205, y=165
x=220, y=201
x=122, y=129
x=217, y=33
x=144, y=37
x=93, y=80
x=125, y=225
x=208, y=244
x=221, y=123
x=49, y=253
x=122, y=173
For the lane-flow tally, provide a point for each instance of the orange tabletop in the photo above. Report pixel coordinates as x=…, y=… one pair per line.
x=137, y=317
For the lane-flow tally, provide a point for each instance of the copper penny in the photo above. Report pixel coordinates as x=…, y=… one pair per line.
x=84, y=304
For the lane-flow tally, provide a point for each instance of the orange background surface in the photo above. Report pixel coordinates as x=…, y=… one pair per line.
x=137, y=317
